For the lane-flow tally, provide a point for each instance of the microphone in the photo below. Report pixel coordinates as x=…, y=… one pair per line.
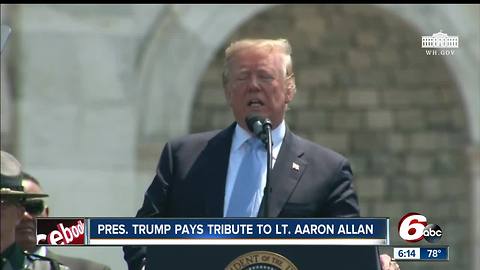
x=262, y=128
x=259, y=126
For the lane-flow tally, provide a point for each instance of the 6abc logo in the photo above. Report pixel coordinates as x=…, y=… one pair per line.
x=413, y=228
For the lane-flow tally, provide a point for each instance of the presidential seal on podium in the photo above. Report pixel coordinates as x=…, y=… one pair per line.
x=261, y=260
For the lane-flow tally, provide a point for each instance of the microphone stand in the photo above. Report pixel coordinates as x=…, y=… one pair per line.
x=262, y=128
x=268, y=146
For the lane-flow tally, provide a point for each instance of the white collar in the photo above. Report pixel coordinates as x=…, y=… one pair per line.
x=240, y=135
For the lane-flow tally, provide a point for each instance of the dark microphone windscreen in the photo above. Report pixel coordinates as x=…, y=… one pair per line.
x=254, y=122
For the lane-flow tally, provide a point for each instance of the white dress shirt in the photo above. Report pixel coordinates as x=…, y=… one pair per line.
x=237, y=152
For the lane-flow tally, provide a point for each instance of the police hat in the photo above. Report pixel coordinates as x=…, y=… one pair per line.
x=11, y=179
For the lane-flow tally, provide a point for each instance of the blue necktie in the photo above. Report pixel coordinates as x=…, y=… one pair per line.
x=245, y=199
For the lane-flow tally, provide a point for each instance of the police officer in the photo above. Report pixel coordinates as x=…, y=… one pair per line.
x=12, y=210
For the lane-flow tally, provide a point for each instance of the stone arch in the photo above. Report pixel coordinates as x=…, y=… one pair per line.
x=408, y=104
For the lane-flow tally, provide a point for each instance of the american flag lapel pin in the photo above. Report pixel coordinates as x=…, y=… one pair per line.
x=295, y=166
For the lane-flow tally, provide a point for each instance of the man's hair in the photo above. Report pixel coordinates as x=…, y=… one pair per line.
x=282, y=45
x=27, y=176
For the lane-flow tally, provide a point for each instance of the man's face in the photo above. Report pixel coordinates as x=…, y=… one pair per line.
x=10, y=215
x=25, y=232
x=257, y=85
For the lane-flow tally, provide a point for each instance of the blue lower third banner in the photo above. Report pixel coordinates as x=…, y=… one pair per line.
x=237, y=231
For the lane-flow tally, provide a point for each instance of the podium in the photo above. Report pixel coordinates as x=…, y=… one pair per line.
x=306, y=257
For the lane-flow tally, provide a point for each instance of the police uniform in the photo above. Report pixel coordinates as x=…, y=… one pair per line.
x=11, y=190
x=15, y=259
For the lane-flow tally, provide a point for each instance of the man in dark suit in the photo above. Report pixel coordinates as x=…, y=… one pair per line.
x=26, y=235
x=198, y=175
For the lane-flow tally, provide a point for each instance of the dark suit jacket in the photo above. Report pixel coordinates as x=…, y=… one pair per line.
x=191, y=176
x=76, y=263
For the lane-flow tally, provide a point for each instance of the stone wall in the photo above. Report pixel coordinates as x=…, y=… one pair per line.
x=95, y=89
x=367, y=90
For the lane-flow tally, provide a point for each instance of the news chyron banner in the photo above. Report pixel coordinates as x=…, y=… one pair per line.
x=212, y=231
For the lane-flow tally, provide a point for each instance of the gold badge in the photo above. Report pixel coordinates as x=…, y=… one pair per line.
x=264, y=260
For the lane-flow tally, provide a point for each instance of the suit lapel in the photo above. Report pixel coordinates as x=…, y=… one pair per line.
x=286, y=173
x=218, y=153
